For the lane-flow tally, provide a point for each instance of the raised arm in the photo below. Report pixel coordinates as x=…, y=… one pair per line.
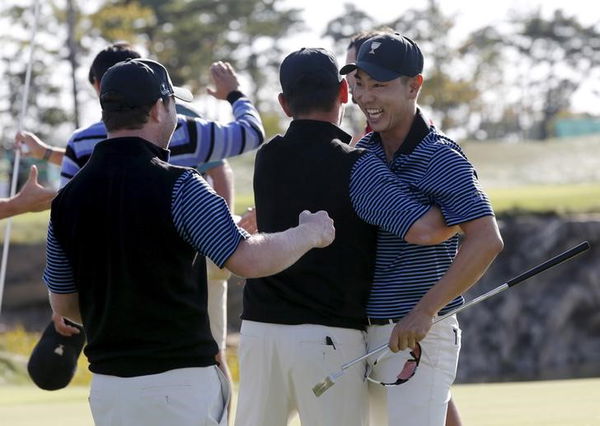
x=215, y=140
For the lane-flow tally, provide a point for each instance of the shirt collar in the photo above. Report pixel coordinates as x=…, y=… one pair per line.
x=419, y=129
x=133, y=145
x=304, y=129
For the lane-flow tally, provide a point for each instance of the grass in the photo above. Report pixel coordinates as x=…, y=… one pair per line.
x=549, y=403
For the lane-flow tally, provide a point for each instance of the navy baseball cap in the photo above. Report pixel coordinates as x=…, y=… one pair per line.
x=137, y=82
x=53, y=362
x=308, y=68
x=387, y=57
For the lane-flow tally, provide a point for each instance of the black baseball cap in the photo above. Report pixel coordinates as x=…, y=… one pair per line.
x=137, y=82
x=308, y=68
x=53, y=362
x=387, y=57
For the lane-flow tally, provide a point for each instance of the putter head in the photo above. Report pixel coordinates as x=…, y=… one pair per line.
x=320, y=388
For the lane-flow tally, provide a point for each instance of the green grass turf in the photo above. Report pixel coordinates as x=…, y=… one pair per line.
x=548, y=403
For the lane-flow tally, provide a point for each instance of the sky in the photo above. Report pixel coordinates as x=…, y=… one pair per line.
x=469, y=15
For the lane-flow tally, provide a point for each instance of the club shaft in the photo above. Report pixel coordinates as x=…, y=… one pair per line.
x=579, y=248
x=516, y=280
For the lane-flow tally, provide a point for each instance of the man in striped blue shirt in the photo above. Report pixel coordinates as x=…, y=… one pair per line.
x=127, y=240
x=415, y=284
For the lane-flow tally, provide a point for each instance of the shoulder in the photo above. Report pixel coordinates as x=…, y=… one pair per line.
x=94, y=131
x=439, y=147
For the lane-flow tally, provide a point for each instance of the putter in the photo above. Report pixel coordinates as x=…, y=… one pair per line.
x=330, y=380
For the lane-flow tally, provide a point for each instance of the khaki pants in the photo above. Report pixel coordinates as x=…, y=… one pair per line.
x=423, y=400
x=183, y=397
x=280, y=364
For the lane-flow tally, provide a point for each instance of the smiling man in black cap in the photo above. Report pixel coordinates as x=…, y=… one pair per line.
x=127, y=241
x=413, y=285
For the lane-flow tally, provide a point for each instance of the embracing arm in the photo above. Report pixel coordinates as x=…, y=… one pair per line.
x=267, y=254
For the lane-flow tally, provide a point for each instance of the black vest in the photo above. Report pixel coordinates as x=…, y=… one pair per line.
x=142, y=288
x=309, y=169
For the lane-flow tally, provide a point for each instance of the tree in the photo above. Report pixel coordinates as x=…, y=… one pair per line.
x=449, y=96
x=188, y=35
x=548, y=61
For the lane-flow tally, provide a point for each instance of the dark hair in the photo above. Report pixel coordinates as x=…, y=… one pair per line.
x=309, y=94
x=358, y=39
x=127, y=118
x=106, y=58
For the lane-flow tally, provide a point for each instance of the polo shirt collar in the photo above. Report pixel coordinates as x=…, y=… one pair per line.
x=303, y=129
x=133, y=145
x=419, y=129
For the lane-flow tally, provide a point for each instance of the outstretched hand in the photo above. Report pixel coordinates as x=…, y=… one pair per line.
x=33, y=197
x=224, y=78
x=320, y=224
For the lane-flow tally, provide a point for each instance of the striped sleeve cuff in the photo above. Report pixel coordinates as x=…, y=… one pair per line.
x=58, y=274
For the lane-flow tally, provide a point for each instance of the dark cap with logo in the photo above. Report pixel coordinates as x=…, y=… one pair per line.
x=53, y=362
x=137, y=82
x=387, y=57
x=308, y=68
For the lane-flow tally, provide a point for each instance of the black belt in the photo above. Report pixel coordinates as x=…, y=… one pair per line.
x=382, y=321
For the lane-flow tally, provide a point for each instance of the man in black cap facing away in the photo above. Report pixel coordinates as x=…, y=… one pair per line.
x=303, y=323
x=126, y=245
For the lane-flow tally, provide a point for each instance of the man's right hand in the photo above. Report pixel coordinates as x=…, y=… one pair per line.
x=62, y=327
x=320, y=224
x=225, y=79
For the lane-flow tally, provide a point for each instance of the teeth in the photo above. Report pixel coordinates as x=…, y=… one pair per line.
x=374, y=110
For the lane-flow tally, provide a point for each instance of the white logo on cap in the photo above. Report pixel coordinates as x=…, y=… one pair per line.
x=59, y=350
x=374, y=46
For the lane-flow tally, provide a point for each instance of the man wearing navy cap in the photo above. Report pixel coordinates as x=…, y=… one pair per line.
x=415, y=284
x=303, y=323
x=127, y=241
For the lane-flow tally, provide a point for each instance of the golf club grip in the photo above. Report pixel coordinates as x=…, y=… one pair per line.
x=581, y=247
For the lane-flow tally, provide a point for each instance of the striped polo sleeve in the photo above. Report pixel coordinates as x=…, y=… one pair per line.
x=79, y=149
x=216, y=140
x=203, y=220
x=58, y=274
x=452, y=181
x=380, y=198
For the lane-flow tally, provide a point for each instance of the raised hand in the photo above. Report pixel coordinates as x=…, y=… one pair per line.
x=224, y=78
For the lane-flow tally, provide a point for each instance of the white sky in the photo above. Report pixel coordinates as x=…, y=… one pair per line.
x=470, y=15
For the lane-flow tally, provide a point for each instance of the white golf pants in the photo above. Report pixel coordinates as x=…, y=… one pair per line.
x=280, y=364
x=184, y=397
x=423, y=400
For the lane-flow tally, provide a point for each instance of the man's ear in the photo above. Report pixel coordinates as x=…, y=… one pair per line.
x=154, y=114
x=415, y=85
x=344, y=90
x=284, y=105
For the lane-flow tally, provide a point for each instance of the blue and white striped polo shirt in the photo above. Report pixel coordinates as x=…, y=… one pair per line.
x=200, y=216
x=195, y=140
x=437, y=172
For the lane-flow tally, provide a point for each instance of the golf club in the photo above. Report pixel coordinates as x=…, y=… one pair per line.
x=330, y=380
